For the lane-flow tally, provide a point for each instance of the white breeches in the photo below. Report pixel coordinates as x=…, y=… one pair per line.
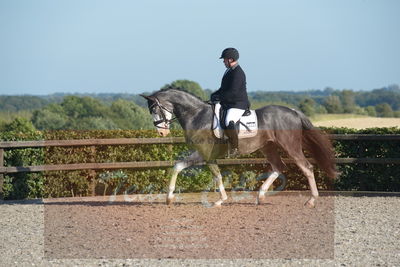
x=233, y=114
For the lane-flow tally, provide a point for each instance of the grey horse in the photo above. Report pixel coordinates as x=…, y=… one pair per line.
x=279, y=127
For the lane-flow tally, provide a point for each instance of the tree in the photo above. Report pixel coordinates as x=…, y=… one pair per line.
x=320, y=109
x=46, y=119
x=189, y=86
x=371, y=111
x=20, y=125
x=18, y=103
x=307, y=106
x=375, y=97
x=87, y=113
x=81, y=107
x=92, y=123
x=328, y=91
x=333, y=105
x=384, y=110
x=348, y=101
x=128, y=115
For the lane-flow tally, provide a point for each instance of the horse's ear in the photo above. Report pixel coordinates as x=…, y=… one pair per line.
x=147, y=97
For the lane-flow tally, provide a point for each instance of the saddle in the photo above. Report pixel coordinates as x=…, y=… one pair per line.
x=248, y=124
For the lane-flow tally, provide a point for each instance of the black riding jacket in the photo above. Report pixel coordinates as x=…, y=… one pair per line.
x=233, y=92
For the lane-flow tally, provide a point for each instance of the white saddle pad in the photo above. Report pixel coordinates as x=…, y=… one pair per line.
x=248, y=124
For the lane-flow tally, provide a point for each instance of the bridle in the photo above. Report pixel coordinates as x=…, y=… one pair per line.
x=164, y=119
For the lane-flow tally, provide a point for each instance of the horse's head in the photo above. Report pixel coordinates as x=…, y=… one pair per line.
x=162, y=114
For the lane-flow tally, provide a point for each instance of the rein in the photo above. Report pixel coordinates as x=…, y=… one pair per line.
x=164, y=118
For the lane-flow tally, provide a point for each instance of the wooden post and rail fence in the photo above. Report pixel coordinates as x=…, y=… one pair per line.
x=157, y=164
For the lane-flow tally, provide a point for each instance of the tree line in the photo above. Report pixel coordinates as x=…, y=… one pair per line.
x=129, y=111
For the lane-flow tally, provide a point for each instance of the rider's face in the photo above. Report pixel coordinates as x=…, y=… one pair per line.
x=227, y=62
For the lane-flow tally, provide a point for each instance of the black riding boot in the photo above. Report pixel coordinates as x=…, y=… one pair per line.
x=232, y=131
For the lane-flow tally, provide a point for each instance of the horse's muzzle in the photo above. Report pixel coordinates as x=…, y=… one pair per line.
x=163, y=132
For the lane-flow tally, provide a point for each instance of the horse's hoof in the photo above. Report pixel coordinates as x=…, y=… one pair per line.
x=310, y=204
x=170, y=200
x=260, y=199
x=218, y=204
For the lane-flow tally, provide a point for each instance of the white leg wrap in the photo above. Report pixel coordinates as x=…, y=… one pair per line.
x=270, y=180
x=218, y=203
x=222, y=192
x=179, y=167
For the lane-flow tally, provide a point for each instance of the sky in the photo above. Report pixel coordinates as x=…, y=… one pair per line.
x=132, y=46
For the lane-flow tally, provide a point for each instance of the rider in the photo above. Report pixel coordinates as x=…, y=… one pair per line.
x=233, y=95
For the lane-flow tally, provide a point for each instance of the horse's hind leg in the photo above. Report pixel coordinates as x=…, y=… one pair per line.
x=305, y=166
x=192, y=159
x=218, y=179
x=308, y=171
x=271, y=152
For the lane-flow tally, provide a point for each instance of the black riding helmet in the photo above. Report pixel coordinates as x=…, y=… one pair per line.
x=230, y=53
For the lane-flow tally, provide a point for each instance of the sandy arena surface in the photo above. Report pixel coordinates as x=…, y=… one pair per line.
x=143, y=231
x=360, y=123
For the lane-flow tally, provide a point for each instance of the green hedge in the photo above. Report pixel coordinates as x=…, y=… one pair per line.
x=371, y=177
x=22, y=185
x=368, y=177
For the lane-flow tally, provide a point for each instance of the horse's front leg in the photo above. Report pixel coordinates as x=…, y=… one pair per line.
x=192, y=159
x=265, y=186
x=218, y=179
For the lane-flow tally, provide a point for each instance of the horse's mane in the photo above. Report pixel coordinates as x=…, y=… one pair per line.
x=180, y=90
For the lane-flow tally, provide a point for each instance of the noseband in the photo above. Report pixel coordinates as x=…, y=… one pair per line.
x=163, y=117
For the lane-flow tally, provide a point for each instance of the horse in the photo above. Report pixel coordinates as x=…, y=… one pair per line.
x=280, y=127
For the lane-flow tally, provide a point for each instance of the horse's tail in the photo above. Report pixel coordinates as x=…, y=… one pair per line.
x=318, y=143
